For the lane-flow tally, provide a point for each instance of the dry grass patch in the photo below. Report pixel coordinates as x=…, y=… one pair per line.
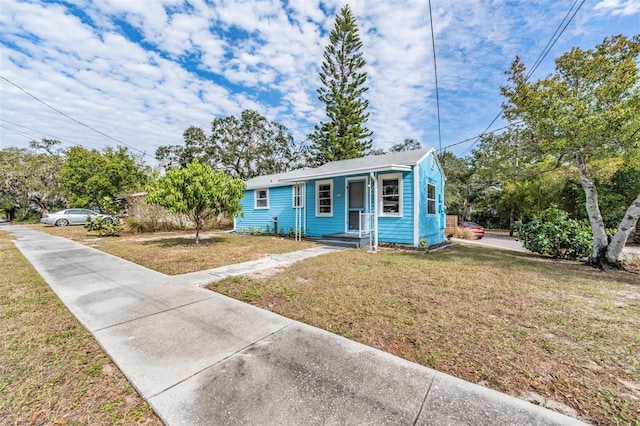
x=52, y=371
x=533, y=328
x=174, y=253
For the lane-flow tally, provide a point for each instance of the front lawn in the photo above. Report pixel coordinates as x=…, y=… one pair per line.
x=175, y=253
x=534, y=328
x=52, y=371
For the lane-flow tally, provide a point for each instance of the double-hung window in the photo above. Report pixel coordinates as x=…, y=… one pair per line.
x=324, y=198
x=261, y=198
x=390, y=194
x=431, y=199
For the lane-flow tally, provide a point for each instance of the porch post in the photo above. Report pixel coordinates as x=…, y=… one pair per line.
x=374, y=187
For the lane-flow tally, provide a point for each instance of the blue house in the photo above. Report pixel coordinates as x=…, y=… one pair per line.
x=392, y=198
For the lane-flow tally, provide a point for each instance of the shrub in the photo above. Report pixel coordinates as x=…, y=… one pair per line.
x=134, y=225
x=464, y=233
x=104, y=228
x=556, y=235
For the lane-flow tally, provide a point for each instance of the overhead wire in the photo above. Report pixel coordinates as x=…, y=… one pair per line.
x=552, y=41
x=435, y=71
x=36, y=131
x=73, y=119
x=17, y=132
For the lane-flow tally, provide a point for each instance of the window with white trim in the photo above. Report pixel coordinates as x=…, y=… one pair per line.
x=390, y=194
x=324, y=198
x=261, y=198
x=431, y=199
x=298, y=196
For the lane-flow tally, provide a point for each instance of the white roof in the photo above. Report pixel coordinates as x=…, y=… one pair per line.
x=393, y=161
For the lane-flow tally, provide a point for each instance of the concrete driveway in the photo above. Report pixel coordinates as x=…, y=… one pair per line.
x=505, y=242
x=501, y=241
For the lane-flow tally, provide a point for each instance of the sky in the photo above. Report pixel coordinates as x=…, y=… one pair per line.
x=138, y=73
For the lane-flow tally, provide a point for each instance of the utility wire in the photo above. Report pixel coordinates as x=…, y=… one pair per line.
x=73, y=119
x=435, y=71
x=35, y=130
x=485, y=133
x=552, y=41
x=17, y=132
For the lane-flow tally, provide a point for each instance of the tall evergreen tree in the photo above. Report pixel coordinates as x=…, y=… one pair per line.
x=343, y=84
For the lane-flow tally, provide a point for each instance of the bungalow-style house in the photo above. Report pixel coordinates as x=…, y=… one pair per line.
x=392, y=198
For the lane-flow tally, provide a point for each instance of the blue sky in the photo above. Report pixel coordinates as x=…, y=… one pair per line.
x=142, y=71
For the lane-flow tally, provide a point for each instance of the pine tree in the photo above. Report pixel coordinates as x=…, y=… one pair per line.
x=343, y=84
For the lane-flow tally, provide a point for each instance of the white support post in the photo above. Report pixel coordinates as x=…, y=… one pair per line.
x=373, y=245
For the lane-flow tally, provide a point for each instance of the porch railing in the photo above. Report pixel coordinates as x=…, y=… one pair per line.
x=366, y=224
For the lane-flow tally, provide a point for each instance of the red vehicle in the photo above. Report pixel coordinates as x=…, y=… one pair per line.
x=474, y=227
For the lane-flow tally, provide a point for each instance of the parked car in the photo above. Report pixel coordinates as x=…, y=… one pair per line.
x=73, y=217
x=473, y=227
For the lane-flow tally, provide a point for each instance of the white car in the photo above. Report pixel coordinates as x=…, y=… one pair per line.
x=73, y=217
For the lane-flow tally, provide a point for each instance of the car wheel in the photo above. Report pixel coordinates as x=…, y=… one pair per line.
x=108, y=220
x=62, y=222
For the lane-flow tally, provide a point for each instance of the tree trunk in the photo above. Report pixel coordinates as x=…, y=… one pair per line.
x=198, y=226
x=624, y=230
x=512, y=220
x=600, y=242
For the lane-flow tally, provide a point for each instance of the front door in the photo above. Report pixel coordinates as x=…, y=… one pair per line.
x=356, y=201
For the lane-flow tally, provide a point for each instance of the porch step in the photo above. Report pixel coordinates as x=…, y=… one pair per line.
x=338, y=243
x=344, y=240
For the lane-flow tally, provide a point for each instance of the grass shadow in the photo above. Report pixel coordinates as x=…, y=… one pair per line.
x=184, y=241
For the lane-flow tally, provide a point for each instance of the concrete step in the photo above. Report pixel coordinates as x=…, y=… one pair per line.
x=339, y=243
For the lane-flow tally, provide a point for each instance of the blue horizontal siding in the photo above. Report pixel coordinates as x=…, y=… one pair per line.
x=399, y=229
x=280, y=205
x=320, y=225
x=431, y=226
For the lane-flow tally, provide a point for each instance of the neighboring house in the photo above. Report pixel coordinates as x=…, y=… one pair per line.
x=392, y=198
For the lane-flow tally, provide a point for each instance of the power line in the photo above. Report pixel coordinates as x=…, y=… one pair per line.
x=435, y=71
x=552, y=41
x=482, y=134
x=73, y=119
x=17, y=132
x=37, y=131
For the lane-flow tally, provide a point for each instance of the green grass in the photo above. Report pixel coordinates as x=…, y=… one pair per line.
x=52, y=371
x=517, y=323
x=174, y=253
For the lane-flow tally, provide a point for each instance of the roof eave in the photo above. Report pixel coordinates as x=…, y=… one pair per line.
x=388, y=167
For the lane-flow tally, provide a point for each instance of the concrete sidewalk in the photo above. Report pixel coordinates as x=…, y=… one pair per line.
x=200, y=358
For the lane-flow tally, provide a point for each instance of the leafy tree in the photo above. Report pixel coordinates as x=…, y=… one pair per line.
x=586, y=111
x=460, y=186
x=407, y=145
x=197, y=191
x=246, y=147
x=94, y=179
x=28, y=180
x=343, y=85
x=509, y=166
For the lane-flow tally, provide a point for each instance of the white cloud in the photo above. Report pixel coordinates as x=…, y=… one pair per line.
x=144, y=71
x=619, y=7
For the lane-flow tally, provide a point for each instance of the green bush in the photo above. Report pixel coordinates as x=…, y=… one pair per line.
x=104, y=228
x=556, y=235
